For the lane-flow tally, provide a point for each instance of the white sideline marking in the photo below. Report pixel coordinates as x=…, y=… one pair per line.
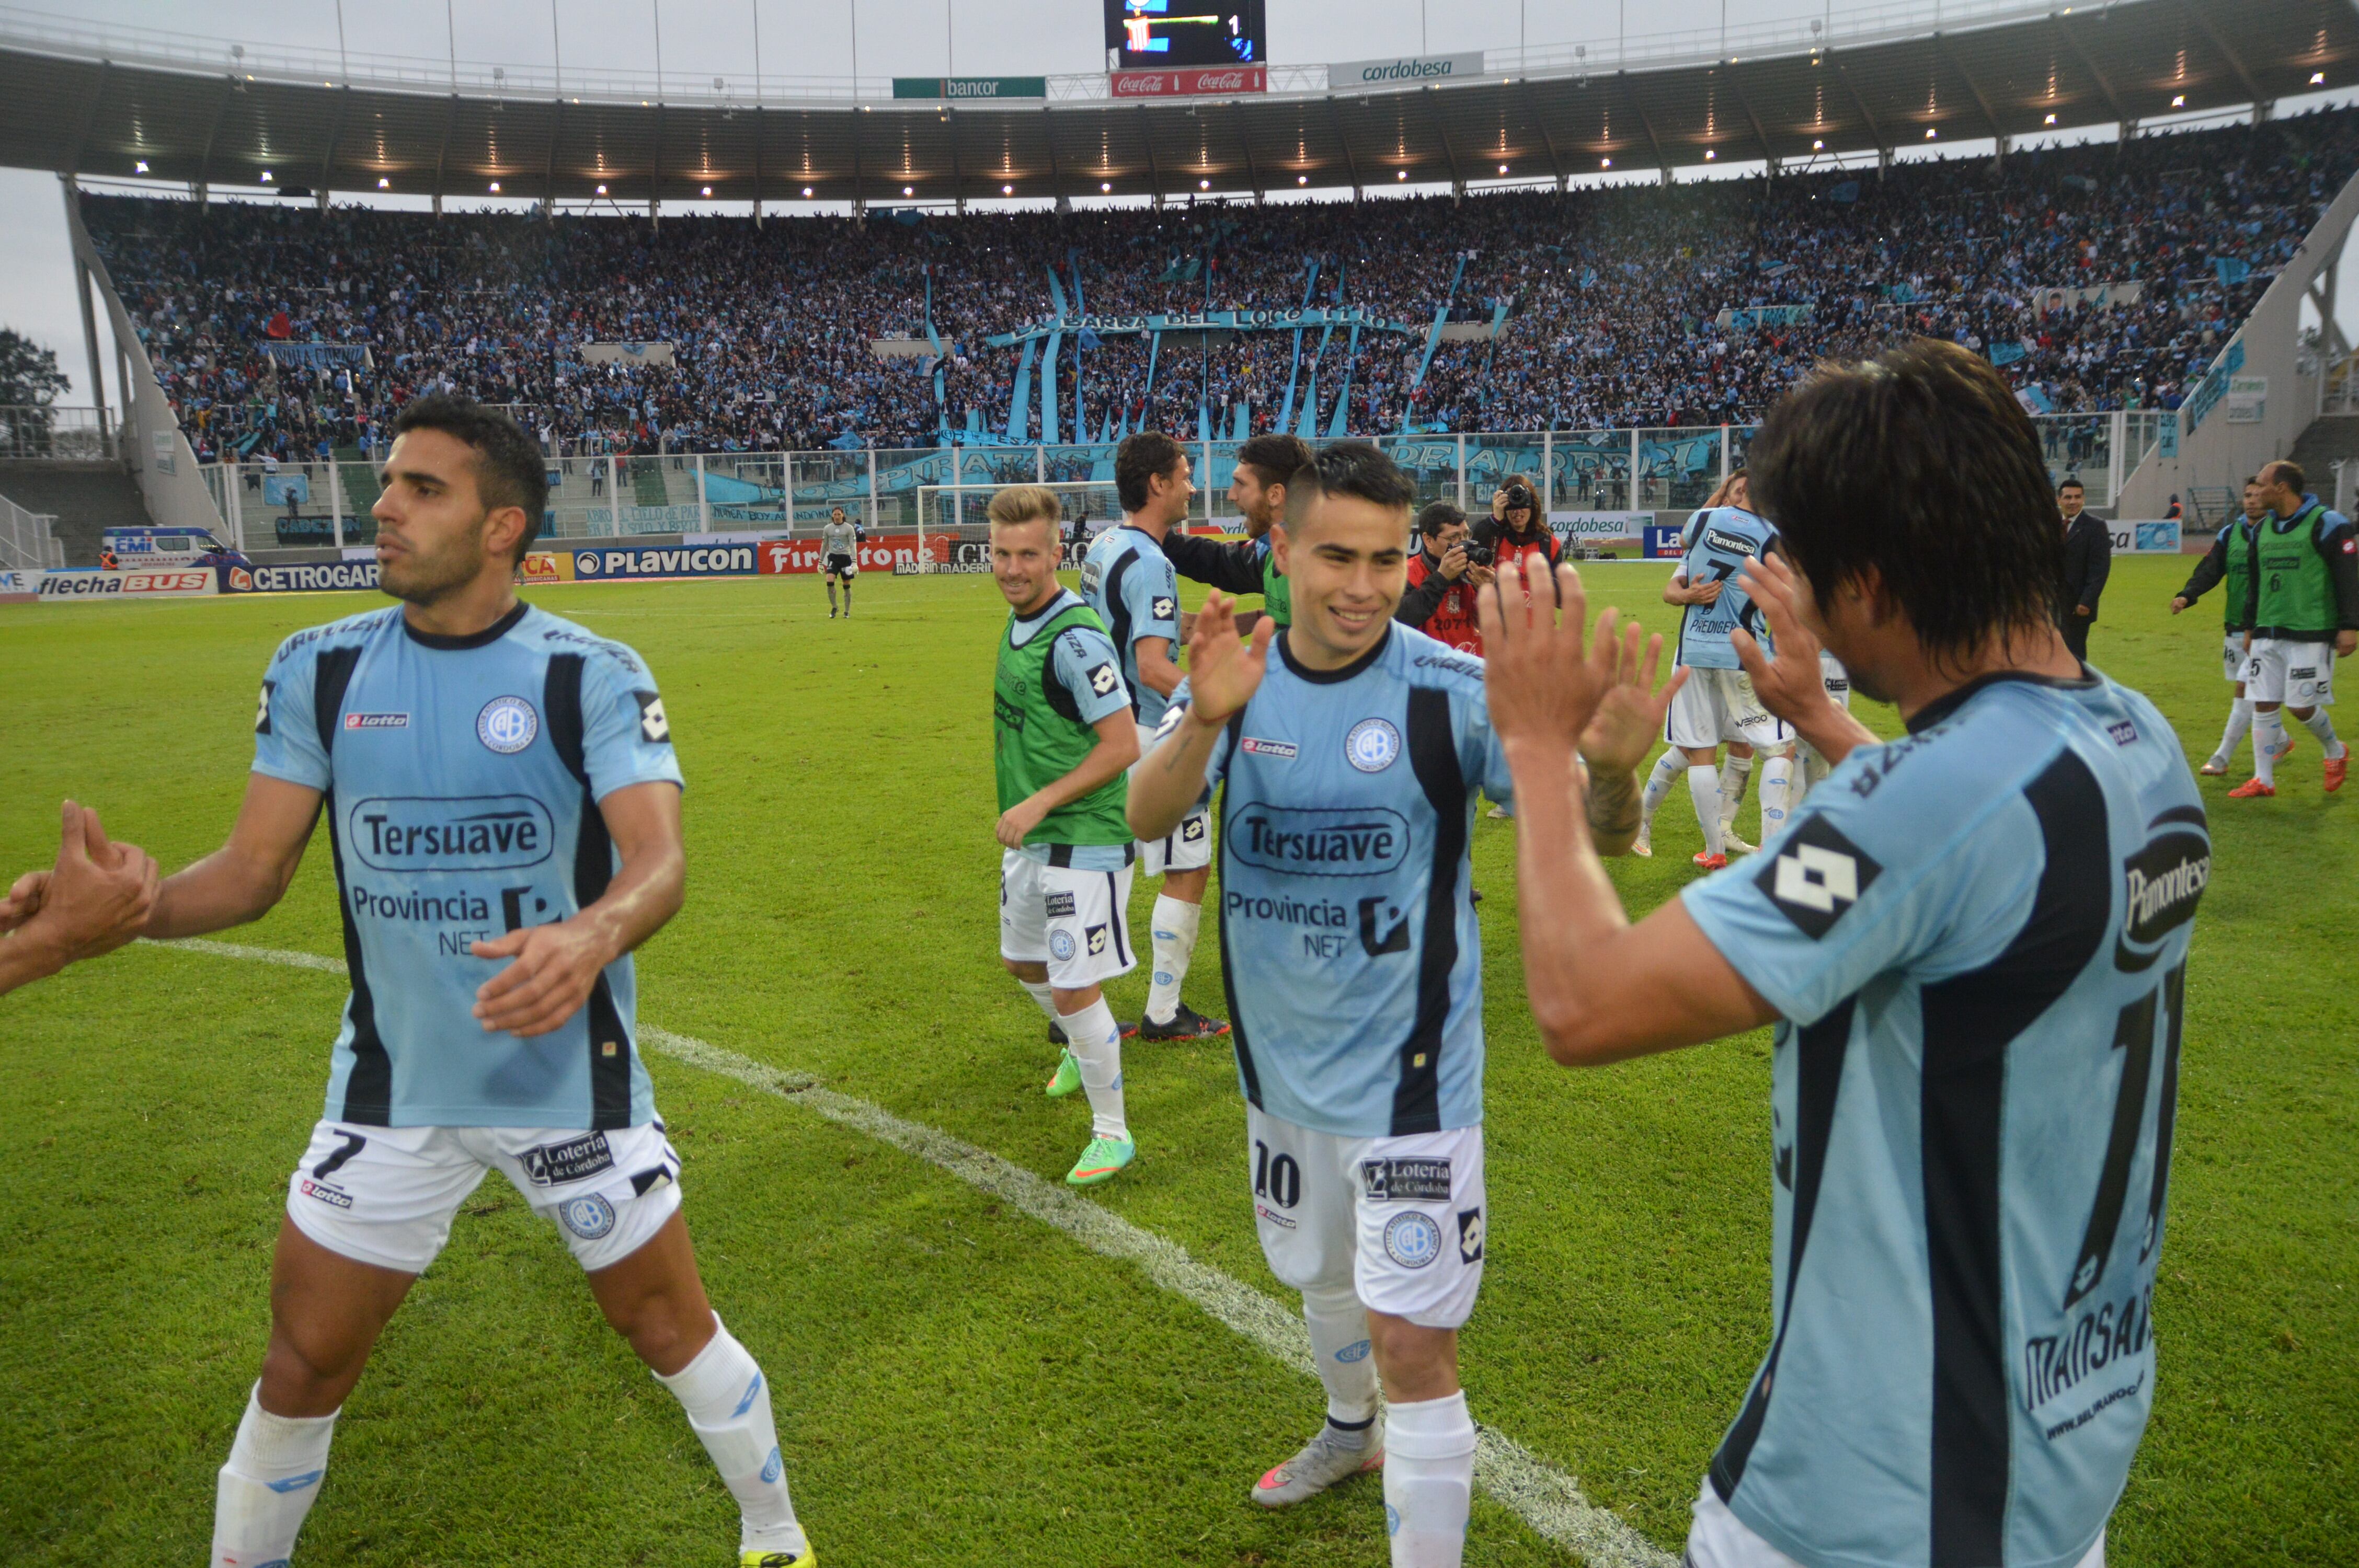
x=1544, y=1497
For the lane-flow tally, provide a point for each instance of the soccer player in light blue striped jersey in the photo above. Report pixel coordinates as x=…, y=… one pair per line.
x=503, y=806
x=1348, y=754
x=1972, y=941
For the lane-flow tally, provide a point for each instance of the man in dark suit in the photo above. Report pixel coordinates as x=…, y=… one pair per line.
x=2087, y=557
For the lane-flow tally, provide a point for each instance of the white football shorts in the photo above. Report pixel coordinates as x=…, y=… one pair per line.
x=2299, y=675
x=2234, y=659
x=1189, y=847
x=385, y=1195
x=1717, y=706
x=1400, y=1218
x=1076, y=922
x=1718, y=1539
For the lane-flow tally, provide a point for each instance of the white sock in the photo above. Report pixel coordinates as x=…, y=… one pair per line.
x=1668, y=767
x=1814, y=771
x=2322, y=726
x=1428, y=1480
x=2268, y=740
x=2240, y=719
x=1777, y=794
x=1095, y=1040
x=1038, y=992
x=728, y=1405
x=1704, y=785
x=274, y=1472
x=1174, y=943
x=1340, y=1347
x=1735, y=774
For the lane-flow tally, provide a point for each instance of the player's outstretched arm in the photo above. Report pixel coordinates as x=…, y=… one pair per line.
x=1601, y=988
x=241, y=879
x=1116, y=749
x=1223, y=674
x=94, y=898
x=557, y=964
x=1791, y=684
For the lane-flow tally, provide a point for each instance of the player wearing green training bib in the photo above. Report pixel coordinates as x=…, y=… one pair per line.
x=1063, y=741
x=1265, y=464
x=2228, y=564
x=2304, y=599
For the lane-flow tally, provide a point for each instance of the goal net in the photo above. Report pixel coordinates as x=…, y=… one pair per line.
x=954, y=522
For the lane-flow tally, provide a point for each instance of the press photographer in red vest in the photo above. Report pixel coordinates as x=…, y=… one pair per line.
x=1442, y=577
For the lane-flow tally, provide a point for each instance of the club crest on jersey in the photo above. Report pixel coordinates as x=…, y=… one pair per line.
x=1060, y=944
x=1372, y=745
x=506, y=725
x=1818, y=874
x=1412, y=1239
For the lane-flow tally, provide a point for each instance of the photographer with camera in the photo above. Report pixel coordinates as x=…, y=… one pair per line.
x=1518, y=531
x=1443, y=577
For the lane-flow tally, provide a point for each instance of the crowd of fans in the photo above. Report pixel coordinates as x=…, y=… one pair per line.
x=1613, y=301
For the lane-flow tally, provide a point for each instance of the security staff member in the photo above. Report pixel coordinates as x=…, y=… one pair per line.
x=2087, y=557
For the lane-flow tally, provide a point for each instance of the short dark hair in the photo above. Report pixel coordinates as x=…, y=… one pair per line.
x=1919, y=466
x=1436, y=516
x=2072, y=481
x=1139, y=461
x=2287, y=471
x=1348, y=468
x=1275, y=457
x=509, y=470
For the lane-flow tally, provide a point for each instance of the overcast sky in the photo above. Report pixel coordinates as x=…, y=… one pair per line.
x=704, y=38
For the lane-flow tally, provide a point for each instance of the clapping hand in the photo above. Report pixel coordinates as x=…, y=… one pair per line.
x=1544, y=686
x=1223, y=671
x=1789, y=683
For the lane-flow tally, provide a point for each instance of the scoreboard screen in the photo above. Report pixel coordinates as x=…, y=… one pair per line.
x=1151, y=32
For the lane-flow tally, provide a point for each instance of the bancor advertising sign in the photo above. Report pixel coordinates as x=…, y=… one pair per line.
x=1402, y=68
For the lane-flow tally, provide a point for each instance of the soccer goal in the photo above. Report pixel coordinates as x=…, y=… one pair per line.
x=954, y=522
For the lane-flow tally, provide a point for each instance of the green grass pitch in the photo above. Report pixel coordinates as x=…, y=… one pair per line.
x=957, y=1384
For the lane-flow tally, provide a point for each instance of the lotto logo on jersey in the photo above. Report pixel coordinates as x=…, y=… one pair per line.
x=1818, y=874
x=654, y=728
x=1165, y=607
x=1102, y=680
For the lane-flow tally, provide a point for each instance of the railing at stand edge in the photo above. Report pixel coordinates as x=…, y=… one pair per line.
x=293, y=505
x=57, y=433
x=29, y=541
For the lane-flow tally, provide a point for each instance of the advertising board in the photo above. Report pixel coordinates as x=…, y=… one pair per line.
x=1395, y=70
x=2133, y=537
x=699, y=560
x=1188, y=84
x=162, y=582
x=547, y=566
x=17, y=587
x=314, y=577
x=1588, y=527
x=1663, y=544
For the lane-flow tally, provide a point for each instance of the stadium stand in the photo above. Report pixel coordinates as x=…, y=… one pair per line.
x=2101, y=277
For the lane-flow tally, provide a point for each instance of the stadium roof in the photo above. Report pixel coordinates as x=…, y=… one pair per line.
x=127, y=105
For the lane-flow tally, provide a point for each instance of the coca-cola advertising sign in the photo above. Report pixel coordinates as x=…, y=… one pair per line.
x=1190, y=83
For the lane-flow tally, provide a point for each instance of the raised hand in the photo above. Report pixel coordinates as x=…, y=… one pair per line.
x=1223, y=671
x=1629, y=715
x=97, y=897
x=1788, y=683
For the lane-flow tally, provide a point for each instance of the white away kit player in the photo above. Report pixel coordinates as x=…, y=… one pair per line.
x=1350, y=752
